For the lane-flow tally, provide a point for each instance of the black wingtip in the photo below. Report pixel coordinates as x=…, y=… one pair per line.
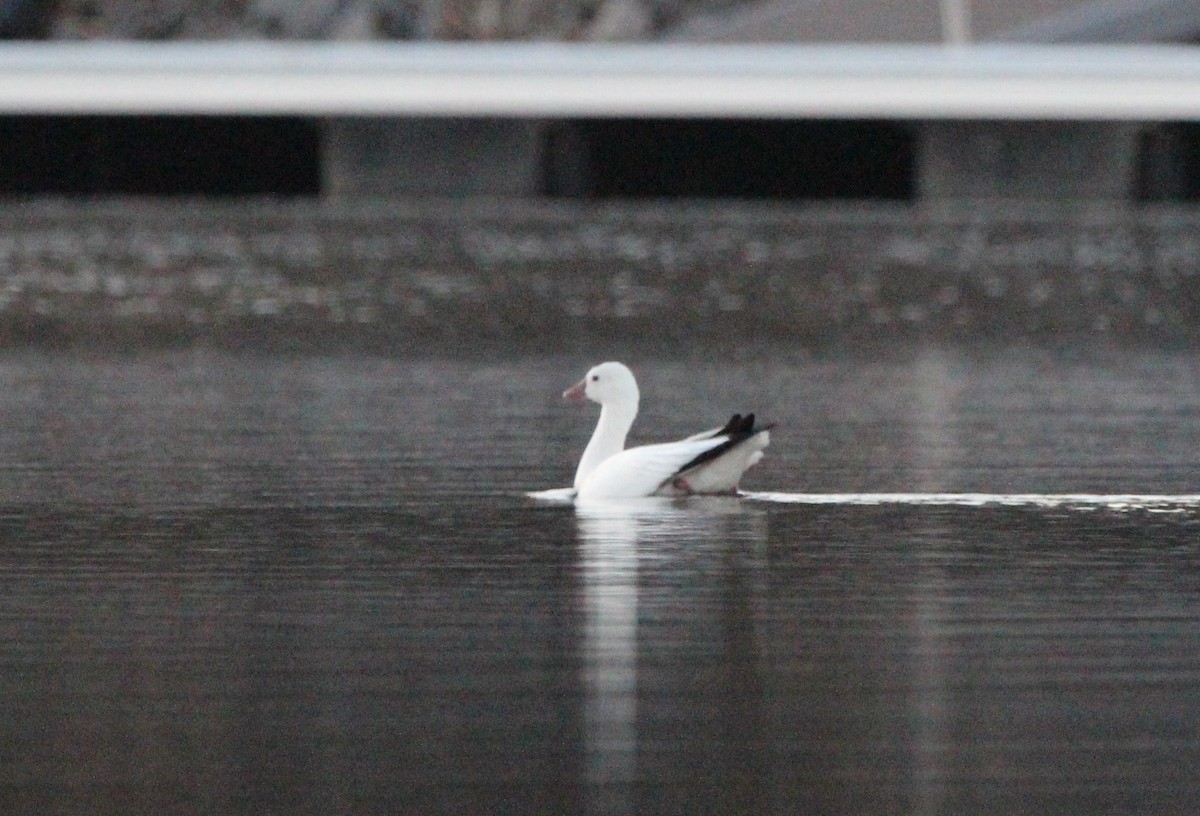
x=741, y=426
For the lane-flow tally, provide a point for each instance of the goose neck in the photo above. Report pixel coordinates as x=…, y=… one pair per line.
x=615, y=421
x=608, y=439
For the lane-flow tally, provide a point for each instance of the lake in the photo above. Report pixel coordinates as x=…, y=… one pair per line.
x=961, y=581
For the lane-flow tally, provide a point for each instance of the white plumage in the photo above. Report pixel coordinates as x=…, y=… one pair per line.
x=709, y=462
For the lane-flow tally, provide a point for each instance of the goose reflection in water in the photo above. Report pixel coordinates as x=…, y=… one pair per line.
x=619, y=539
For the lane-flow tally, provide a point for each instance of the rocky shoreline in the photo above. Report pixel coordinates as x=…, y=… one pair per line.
x=412, y=273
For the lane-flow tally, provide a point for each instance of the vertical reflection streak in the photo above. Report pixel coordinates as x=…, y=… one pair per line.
x=933, y=445
x=609, y=569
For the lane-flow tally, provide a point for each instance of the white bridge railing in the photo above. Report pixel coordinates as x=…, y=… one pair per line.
x=575, y=80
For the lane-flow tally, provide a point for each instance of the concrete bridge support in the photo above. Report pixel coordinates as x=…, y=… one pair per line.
x=1028, y=160
x=432, y=156
x=952, y=160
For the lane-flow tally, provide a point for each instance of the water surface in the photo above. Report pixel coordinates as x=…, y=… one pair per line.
x=238, y=583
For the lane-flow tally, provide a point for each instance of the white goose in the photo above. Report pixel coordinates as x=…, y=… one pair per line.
x=709, y=462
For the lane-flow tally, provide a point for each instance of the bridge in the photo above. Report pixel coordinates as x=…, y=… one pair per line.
x=1001, y=119
x=998, y=81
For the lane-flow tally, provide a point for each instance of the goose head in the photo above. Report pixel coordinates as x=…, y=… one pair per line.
x=608, y=384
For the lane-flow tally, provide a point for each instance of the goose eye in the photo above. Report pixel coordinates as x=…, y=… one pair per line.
x=595, y=378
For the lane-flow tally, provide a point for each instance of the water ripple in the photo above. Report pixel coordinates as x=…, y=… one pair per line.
x=1077, y=501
